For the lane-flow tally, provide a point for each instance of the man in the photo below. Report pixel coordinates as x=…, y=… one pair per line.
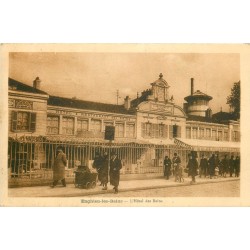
x=176, y=163
x=237, y=166
x=225, y=164
x=59, y=167
x=203, y=166
x=211, y=163
x=167, y=167
x=97, y=164
x=114, y=172
x=104, y=170
x=192, y=168
x=231, y=166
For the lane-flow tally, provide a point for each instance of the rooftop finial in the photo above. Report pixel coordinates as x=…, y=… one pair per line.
x=161, y=75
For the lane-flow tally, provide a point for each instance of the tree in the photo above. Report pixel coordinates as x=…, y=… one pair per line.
x=234, y=99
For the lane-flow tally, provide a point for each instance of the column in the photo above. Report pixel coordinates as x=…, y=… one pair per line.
x=89, y=124
x=60, y=124
x=125, y=129
x=191, y=132
x=75, y=125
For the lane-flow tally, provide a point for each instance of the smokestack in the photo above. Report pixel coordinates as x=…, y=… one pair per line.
x=192, y=86
x=127, y=102
x=36, y=83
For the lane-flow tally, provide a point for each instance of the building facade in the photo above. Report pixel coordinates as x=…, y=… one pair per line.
x=146, y=129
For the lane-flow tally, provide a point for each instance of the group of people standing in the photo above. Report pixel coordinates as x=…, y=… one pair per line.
x=108, y=168
x=212, y=167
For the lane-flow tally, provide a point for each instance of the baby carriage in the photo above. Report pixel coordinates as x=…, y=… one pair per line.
x=84, y=178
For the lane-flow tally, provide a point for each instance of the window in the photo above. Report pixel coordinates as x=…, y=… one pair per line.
x=52, y=125
x=108, y=123
x=68, y=126
x=188, y=133
x=174, y=131
x=220, y=135
x=82, y=125
x=225, y=135
x=96, y=125
x=23, y=121
x=119, y=130
x=202, y=133
x=208, y=133
x=195, y=133
x=235, y=136
x=214, y=134
x=130, y=130
x=163, y=131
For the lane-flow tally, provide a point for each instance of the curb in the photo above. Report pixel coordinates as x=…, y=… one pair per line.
x=141, y=188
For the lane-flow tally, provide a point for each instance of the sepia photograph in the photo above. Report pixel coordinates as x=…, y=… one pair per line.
x=123, y=128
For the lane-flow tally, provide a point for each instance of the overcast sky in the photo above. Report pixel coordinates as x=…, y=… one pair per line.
x=97, y=76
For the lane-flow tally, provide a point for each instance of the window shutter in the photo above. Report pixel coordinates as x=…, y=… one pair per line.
x=170, y=131
x=165, y=131
x=32, y=123
x=143, y=129
x=178, y=131
x=14, y=121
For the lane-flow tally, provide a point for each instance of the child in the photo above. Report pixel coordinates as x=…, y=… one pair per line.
x=180, y=174
x=216, y=172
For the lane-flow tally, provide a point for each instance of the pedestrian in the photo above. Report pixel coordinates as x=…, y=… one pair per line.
x=203, y=166
x=97, y=164
x=167, y=167
x=211, y=165
x=114, y=172
x=225, y=164
x=237, y=166
x=216, y=172
x=59, y=167
x=176, y=163
x=192, y=167
x=231, y=165
x=104, y=170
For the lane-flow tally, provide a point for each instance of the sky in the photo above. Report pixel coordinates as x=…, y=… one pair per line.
x=98, y=76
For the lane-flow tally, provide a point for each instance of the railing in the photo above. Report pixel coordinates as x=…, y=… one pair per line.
x=33, y=157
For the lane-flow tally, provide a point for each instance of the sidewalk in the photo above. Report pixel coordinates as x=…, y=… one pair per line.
x=125, y=185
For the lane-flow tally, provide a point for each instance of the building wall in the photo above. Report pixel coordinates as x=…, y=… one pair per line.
x=24, y=105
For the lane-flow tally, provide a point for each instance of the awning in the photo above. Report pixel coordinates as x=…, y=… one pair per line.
x=203, y=145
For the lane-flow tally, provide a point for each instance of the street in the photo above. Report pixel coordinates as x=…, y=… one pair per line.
x=219, y=189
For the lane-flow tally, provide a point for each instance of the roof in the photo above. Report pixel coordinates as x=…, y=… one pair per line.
x=223, y=116
x=198, y=95
x=196, y=144
x=16, y=85
x=142, y=98
x=80, y=104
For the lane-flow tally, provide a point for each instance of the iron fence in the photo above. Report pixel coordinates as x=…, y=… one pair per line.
x=33, y=157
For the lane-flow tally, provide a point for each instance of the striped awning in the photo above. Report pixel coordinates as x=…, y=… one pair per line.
x=182, y=144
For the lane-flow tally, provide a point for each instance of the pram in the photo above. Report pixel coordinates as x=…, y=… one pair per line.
x=84, y=178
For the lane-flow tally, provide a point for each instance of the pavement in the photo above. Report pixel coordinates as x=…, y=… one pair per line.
x=125, y=186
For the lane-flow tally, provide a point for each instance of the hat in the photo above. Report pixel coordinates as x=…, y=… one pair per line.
x=59, y=148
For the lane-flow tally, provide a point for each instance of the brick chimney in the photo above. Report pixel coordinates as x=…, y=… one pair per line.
x=192, y=86
x=37, y=83
x=127, y=102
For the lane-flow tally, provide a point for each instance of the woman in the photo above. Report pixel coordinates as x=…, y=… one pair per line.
x=167, y=167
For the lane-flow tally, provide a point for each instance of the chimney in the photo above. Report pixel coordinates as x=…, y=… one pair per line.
x=127, y=102
x=192, y=86
x=36, y=83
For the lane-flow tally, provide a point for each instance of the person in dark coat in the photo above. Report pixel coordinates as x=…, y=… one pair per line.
x=114, y=172
x=225, y=164
x=192, y=167
x=231, y=166
x=203, y=166
x=167, y=167
x=104, y=171
x=176, y=163
x=97, y=164
x=59, y=167
x=211, y=164
x=237, y=166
